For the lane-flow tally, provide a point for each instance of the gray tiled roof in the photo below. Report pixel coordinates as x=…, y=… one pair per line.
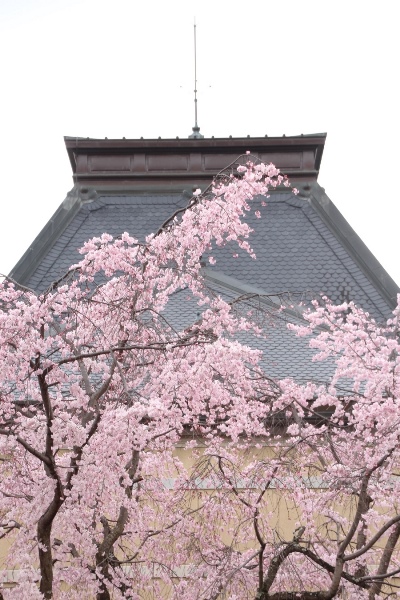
x=138, y=215
x=296, y=251
x=303, y=244
x=284, y=354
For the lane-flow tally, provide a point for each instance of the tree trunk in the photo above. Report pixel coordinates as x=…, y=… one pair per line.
x=44, y=528
x=376, y=586
x=105, y=549
x=104, y=594
x=45, y=558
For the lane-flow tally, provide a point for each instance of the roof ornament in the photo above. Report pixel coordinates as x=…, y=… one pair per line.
x=196, y=129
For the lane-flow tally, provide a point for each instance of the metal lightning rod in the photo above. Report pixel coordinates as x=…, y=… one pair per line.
x=196, y=129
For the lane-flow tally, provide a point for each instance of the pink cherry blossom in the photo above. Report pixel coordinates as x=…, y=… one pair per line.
x=140, y=460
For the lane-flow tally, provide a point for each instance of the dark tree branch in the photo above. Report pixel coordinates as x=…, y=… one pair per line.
x=110, y=536
x=373, y=540
x=381, y=573
x=28, y=447
x=296, y=547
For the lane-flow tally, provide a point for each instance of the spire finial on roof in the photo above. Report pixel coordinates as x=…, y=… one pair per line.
x=196, y=129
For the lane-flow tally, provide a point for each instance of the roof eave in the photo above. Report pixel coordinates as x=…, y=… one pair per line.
x=114, y=162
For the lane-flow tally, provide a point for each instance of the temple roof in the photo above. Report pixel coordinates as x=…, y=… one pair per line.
x=304, y=246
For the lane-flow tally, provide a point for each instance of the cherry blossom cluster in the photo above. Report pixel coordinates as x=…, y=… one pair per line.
x=142, y=459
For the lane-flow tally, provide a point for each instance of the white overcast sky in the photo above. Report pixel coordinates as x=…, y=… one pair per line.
x=125, y=68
